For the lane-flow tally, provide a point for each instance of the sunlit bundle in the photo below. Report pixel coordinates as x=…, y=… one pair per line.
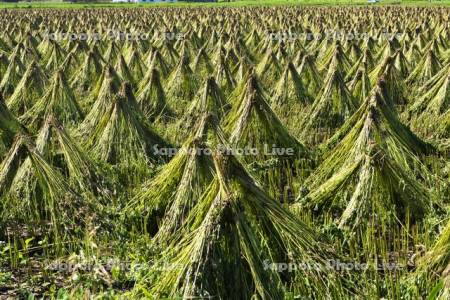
x=122, y=137
x=359, y=85
x=309, y=73
x=29, y=88
x=202, y=65
x=427, y=113
x=88, y=73
x=427, y=67
x=373, y=171
x=52, y=55
x=157, y=61
x=209, y=100
x=82, y=172
x=290, y=98
x=58, y=101
x=12, y=76
x=124, y=71
x=256, y=131
x=34, y=193
x=269, y=68
x=179, y=184
x=151, y=96
x=136, y=64
x=224, y=76
x=235, y=235
x=333, y=105
x=102, y=95
x=396, y=87
x=181, y=85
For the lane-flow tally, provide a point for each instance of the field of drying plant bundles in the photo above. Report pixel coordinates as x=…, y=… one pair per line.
x=225, y=153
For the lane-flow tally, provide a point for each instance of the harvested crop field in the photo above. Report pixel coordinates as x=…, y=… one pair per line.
x=225, y=153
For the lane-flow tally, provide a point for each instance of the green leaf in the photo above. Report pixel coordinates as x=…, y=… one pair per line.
x=435, y=291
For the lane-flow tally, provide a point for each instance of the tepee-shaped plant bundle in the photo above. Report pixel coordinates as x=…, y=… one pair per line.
x=283, y=53
x=401, y=64
x=27, y=54
x=30, y=41
x=107, y=87
x=251, y=43
x=4, y=46
x=151, y=96
x=396, y=87
x=359, y=85
x=434, y=46
x=388, y=50
x=12, y=76
x=58, y=101
x=169, y=54
x=310, y=75
x=124, y=71
x=420, y=41
x=112, y=53
x=195, y=41
x=442, y=42
x=265, y=46
x=290, y=99
x=8, y=42
x=121, y=137
x=413, y=54
x=298, y=58
x=242, y=68
x=369, y=175
x=274, y=153
x=432, y=104
x=46, y=43
x=181, y=86
x=217, y=52
x=224, y=76
x=33, y=192
x=232, y=236
x=158, y=62
x=426, y=68
x=77, y=47
x=202, y=65
x=398, y=140
x=59, y=149
x=354, y=52
x=180, y=183
x=209, y=99
x=147, y=57
x=365, y=61
x=331, y=108
x=237, y=50
x=322, y=46
x=70, y=64
x=90, y=71
x=134, y=48
x=52, y=56
x=335, y=53
x=136, y=65
x=214, y=41
x=269, y=68
x=30, y=87
x=185, y=48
